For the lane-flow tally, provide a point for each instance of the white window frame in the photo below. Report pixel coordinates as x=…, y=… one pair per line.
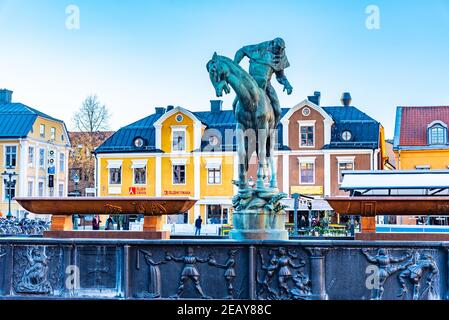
x=43, y=158
x=178, y=129
x=53, y=133
x=214, y=164
x=42, y=135
x=139, y=164
x=346, y=160
x=28, y=187
x=31, y=156
x=307, y=160
x=43, y=187
x=61, y=168
x=4, y=154
x=59, y=189
x=307, y=123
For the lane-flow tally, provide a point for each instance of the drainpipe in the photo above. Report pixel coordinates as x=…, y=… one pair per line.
x=96, y=176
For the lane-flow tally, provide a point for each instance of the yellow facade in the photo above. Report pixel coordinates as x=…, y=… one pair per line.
x=28, y=170
x=159, y=169
x=413, y=159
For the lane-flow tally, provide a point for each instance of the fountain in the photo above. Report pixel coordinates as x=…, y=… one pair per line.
x=62, y=210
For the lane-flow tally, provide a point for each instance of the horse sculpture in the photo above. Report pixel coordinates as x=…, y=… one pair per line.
x=255, y=129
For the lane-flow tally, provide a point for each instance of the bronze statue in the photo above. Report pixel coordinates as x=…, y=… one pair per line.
x=257, y=114
x=384, y=261
x=416, y=271
x=254, y=116
x=267, y=58
x=188, y=272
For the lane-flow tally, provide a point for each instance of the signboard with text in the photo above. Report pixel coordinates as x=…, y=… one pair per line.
x=307, y=190
x=137, y=191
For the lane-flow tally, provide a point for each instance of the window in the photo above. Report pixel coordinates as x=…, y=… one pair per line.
x=30, y=188
x=437, y=134
x=31, y=156
x=42, y=158
x=179, y=174
x=344, y=165
x=52, y=192
x=40, y=190
x=214, y=176
x=10, y=156
x=42, y=130
x=307, y=136
x=307, y=172
x=140, y=175
x=61, y=162
x=10, y=191
x=60, y=190
x=346, y=135
x=115, y=175
x=216, y=214
x=178, y=141
x=52, y=133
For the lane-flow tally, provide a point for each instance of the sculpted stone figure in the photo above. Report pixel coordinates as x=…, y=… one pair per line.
x=34, y=279
x=421, y=264
x=386, y=264
x=188, y=272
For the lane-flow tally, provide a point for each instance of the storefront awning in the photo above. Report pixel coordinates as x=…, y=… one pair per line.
x=399, y=182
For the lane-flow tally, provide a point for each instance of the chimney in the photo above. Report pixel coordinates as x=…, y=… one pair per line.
x=160, y=110
x=216, y=106
x=346, y=99
x=169, y=108
x=5, y=96
x=315, y=98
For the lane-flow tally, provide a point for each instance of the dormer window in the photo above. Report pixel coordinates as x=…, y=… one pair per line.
x=437, y=133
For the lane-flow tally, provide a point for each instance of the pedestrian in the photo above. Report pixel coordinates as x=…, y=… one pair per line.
x=110, y=223
x=198, y=223
x=96, y=223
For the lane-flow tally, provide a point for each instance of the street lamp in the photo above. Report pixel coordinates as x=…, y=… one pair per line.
x=9, y=184
x=76, y=179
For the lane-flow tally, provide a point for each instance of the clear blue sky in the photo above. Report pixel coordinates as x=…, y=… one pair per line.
x=137, y=55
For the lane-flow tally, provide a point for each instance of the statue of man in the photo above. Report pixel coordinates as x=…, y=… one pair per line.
x=267, y=58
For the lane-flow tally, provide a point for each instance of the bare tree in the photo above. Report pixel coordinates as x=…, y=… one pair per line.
x=92, y=116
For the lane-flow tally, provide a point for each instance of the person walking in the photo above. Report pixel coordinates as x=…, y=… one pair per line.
x=110, y=223
x=198, y=223
x=96, y=223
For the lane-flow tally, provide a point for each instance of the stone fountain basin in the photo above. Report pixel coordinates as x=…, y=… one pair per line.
x=148, y=206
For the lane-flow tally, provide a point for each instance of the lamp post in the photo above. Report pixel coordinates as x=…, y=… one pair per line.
x=9, y=183
x=295, y=197
x=76, y=179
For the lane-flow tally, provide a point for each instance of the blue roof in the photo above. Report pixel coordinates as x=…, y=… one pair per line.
x=17, y=119
x=364, y=130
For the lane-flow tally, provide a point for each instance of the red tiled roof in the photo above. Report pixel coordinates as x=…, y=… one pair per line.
x=414, y=122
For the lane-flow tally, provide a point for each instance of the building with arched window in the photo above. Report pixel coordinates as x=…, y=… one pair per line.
x=421, y=141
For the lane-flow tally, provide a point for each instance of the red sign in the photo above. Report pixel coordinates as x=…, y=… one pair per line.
x=176, y=193
x=137, y=191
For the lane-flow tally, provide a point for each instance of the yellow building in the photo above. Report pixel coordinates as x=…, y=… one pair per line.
x=169, y=154
x=421, y=141
x=421, y=138
x=34, y=149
